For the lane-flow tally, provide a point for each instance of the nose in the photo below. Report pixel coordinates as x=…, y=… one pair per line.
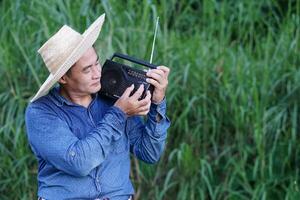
x=96, y=71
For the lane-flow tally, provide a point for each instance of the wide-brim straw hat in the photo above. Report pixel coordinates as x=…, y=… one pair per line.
x=63, y=49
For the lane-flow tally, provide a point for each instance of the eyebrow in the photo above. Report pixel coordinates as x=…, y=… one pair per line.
x=90, y=65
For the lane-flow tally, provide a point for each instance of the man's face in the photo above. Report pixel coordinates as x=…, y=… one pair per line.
x=84, y=77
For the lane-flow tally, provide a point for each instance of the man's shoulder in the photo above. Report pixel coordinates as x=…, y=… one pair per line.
x=43, y=103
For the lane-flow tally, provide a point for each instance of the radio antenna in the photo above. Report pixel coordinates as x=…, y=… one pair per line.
x=153, y=43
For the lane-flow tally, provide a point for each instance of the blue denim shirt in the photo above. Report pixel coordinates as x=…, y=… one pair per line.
x=83, y=153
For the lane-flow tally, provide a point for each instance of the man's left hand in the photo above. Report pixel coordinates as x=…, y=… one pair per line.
x=159, y=79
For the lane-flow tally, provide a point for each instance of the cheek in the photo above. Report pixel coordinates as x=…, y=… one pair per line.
x=83, y=82
x=86, y=81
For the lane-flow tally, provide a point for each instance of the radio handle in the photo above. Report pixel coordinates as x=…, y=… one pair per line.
x=134, y=60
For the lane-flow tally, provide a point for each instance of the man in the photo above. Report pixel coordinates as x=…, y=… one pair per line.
x=81, y=140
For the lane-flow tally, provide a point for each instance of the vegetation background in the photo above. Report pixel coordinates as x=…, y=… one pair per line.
x=233, y=94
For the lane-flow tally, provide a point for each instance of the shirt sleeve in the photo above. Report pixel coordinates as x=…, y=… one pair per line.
x=52, y=140
x=147, y=140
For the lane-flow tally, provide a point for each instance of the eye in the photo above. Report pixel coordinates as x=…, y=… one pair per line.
x=87, y=70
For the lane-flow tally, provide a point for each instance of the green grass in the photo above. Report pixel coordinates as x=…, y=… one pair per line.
x=233, y=95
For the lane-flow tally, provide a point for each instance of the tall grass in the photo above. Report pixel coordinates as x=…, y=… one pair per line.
x=233, y=96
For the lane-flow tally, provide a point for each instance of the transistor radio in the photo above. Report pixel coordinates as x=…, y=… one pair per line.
x=116, y=77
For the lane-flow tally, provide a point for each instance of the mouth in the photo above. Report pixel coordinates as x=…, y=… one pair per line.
x=96, y=84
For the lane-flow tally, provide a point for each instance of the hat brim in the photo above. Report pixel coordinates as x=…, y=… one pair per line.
x=89, y=38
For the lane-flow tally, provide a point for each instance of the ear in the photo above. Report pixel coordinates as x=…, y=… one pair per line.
x=63, y=79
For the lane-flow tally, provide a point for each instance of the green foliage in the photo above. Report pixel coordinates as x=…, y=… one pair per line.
x=232, y=96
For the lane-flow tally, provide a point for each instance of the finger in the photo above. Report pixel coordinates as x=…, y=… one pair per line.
x=155, y=83
x=128, y=91
x=138, y=93
x=146, y=100
x=145, y=108
x=156, y=73
x=156, y=77
x=165, y=69
x=143, y=113
x=148, y=96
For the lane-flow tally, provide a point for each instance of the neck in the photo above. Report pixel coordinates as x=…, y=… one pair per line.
x=75, y=97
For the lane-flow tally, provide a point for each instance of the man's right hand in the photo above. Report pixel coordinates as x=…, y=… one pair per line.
x=131, y=105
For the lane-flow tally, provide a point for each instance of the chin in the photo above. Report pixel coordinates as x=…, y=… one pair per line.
x=95, y=89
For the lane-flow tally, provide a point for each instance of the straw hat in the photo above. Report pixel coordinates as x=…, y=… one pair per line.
x=63, y=49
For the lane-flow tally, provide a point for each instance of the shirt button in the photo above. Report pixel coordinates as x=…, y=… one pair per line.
x=97, y=180
x=72, y=153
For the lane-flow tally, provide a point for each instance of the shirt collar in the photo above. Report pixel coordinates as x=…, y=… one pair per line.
x=59, y=100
